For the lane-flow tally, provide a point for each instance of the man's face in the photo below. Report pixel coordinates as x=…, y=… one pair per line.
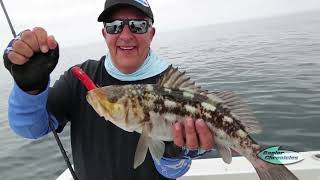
x=128, y=50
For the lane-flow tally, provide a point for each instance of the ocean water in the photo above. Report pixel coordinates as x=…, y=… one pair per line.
x=273, y=64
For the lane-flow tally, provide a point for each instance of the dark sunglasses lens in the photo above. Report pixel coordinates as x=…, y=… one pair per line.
x=138, y=26
x=135, y=26
x=114, y=27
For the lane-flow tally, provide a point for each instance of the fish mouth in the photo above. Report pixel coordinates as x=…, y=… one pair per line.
x=102, y=107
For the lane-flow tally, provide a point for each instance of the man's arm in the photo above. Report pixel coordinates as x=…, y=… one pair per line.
x=27, y=113
x=30, y=58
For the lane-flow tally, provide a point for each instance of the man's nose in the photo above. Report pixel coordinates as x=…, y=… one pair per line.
x=126, y=33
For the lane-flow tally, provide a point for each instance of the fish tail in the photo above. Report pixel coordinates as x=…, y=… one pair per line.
x=275, y=172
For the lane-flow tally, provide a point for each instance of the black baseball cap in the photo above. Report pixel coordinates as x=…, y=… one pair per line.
x=142, y=5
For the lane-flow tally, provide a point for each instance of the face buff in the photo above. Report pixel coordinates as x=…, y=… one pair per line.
x=152, y=66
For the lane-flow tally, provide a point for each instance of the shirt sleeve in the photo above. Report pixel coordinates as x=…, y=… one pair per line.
x=27, y=113
x=177, y=166
x=173, y=168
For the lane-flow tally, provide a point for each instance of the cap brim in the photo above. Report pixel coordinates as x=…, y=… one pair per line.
x=106, y=11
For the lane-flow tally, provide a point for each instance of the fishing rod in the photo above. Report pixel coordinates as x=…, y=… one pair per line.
x=63, y=152
x=8, y=19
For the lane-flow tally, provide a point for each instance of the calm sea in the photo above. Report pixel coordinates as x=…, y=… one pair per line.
x=273, y=64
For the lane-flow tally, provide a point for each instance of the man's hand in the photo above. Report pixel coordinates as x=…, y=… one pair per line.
x=30, y=58
x=30, y=42
x=197, y=135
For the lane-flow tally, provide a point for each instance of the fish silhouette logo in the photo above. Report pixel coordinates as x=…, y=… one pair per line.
x=275, y=155
x=143, y=2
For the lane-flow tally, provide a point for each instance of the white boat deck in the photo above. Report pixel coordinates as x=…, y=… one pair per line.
x=240, y=168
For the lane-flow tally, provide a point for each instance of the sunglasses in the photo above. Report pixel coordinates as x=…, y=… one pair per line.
x=137, y=26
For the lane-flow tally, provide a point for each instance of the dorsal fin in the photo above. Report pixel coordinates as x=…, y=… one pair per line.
x=174, y=79
x=240, y=109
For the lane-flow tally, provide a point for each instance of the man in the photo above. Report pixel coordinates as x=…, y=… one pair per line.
x=100, y=149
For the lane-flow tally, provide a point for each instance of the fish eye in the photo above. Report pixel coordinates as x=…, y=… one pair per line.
x=114, y=93
x=112, y=98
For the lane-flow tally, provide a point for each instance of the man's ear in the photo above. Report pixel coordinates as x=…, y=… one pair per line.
x=152, y=32
x=104, y=34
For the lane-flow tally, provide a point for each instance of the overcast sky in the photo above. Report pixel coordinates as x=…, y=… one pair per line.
x=74, y=21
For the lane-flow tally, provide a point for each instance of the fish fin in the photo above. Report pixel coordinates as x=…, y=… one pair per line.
x=240, y=109
x=275, y=172
x=174, y=79
x=225, y=153
x=162, y=131
x=212, y=96
x=142, y=147
x=156, y=148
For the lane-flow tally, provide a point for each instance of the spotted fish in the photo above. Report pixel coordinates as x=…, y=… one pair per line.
x=152, y=109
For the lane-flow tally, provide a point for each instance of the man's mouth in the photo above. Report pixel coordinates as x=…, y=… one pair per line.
x=126, y=48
